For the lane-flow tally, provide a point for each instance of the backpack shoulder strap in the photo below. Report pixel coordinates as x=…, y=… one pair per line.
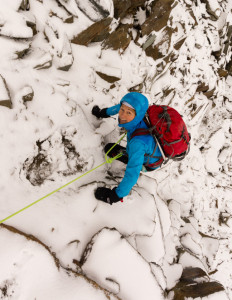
x=140, y=131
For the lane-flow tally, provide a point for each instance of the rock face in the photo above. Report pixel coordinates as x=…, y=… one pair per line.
x=5, y=98
x=123, y=7
x=63, y=57
x=41, y=167
x=96, y=32
x=119, y=39
x=159, y=15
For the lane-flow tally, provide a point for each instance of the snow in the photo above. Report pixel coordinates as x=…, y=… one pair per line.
x=176, y=217
x=24, y=276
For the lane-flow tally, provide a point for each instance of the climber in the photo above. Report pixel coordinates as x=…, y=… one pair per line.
x=131, y=111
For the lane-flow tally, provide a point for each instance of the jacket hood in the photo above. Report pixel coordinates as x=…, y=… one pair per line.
x=140, y=104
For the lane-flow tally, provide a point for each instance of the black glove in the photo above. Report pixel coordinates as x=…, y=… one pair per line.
x=107, y=195
x=99, y=113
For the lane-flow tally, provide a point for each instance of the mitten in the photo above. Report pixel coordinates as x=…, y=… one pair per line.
x=99, y=113
x=107, y=195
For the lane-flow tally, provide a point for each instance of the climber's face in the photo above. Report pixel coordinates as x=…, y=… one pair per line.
x=126, y=114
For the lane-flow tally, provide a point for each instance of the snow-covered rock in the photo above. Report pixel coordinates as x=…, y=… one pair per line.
x=112, y=262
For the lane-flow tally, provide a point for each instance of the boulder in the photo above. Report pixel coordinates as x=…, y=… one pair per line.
x=160, y=11
x=5, y=98
x=27, y=93
x=97, y=32
x=189, y=285
x=64, y=59
x=119, y=39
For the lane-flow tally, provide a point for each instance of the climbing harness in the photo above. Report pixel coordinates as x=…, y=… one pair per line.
x=108, y=160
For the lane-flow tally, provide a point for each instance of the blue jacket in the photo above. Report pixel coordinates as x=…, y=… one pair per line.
x=136, y=147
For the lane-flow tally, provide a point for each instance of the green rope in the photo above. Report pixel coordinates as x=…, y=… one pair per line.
x=108, y=161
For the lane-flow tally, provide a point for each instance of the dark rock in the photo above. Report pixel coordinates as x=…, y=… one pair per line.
x=44, y=65
x=178, y=45
x=123, y=7
x=228, y=40
x=25, y=5
x=156, y=50
x=229, y=67
x=198, y=290
x=93, y=9
x=38, y=170
x=189, y=287
x=222, y=72
x=108, y=78
x=160, y=11
x=209, y=94
x=119, y=39
x=32, y=25
x=98, y=30
x=202, y=87
x=28, y=94
x=22, y=53
x=69, y=20
x=189, y=274
x=5, y=98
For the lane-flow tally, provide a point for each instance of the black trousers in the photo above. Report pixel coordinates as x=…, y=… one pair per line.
x=120, y=149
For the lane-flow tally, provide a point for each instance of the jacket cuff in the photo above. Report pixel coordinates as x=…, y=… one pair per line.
x=114, y=197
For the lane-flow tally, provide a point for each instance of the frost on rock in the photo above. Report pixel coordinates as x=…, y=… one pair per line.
x=66, y=161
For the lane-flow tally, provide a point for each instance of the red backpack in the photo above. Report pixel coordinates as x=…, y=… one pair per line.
x=167, y=127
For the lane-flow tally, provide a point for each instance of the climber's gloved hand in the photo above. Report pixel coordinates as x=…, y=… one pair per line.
x=107, y=195
x=99, y=113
